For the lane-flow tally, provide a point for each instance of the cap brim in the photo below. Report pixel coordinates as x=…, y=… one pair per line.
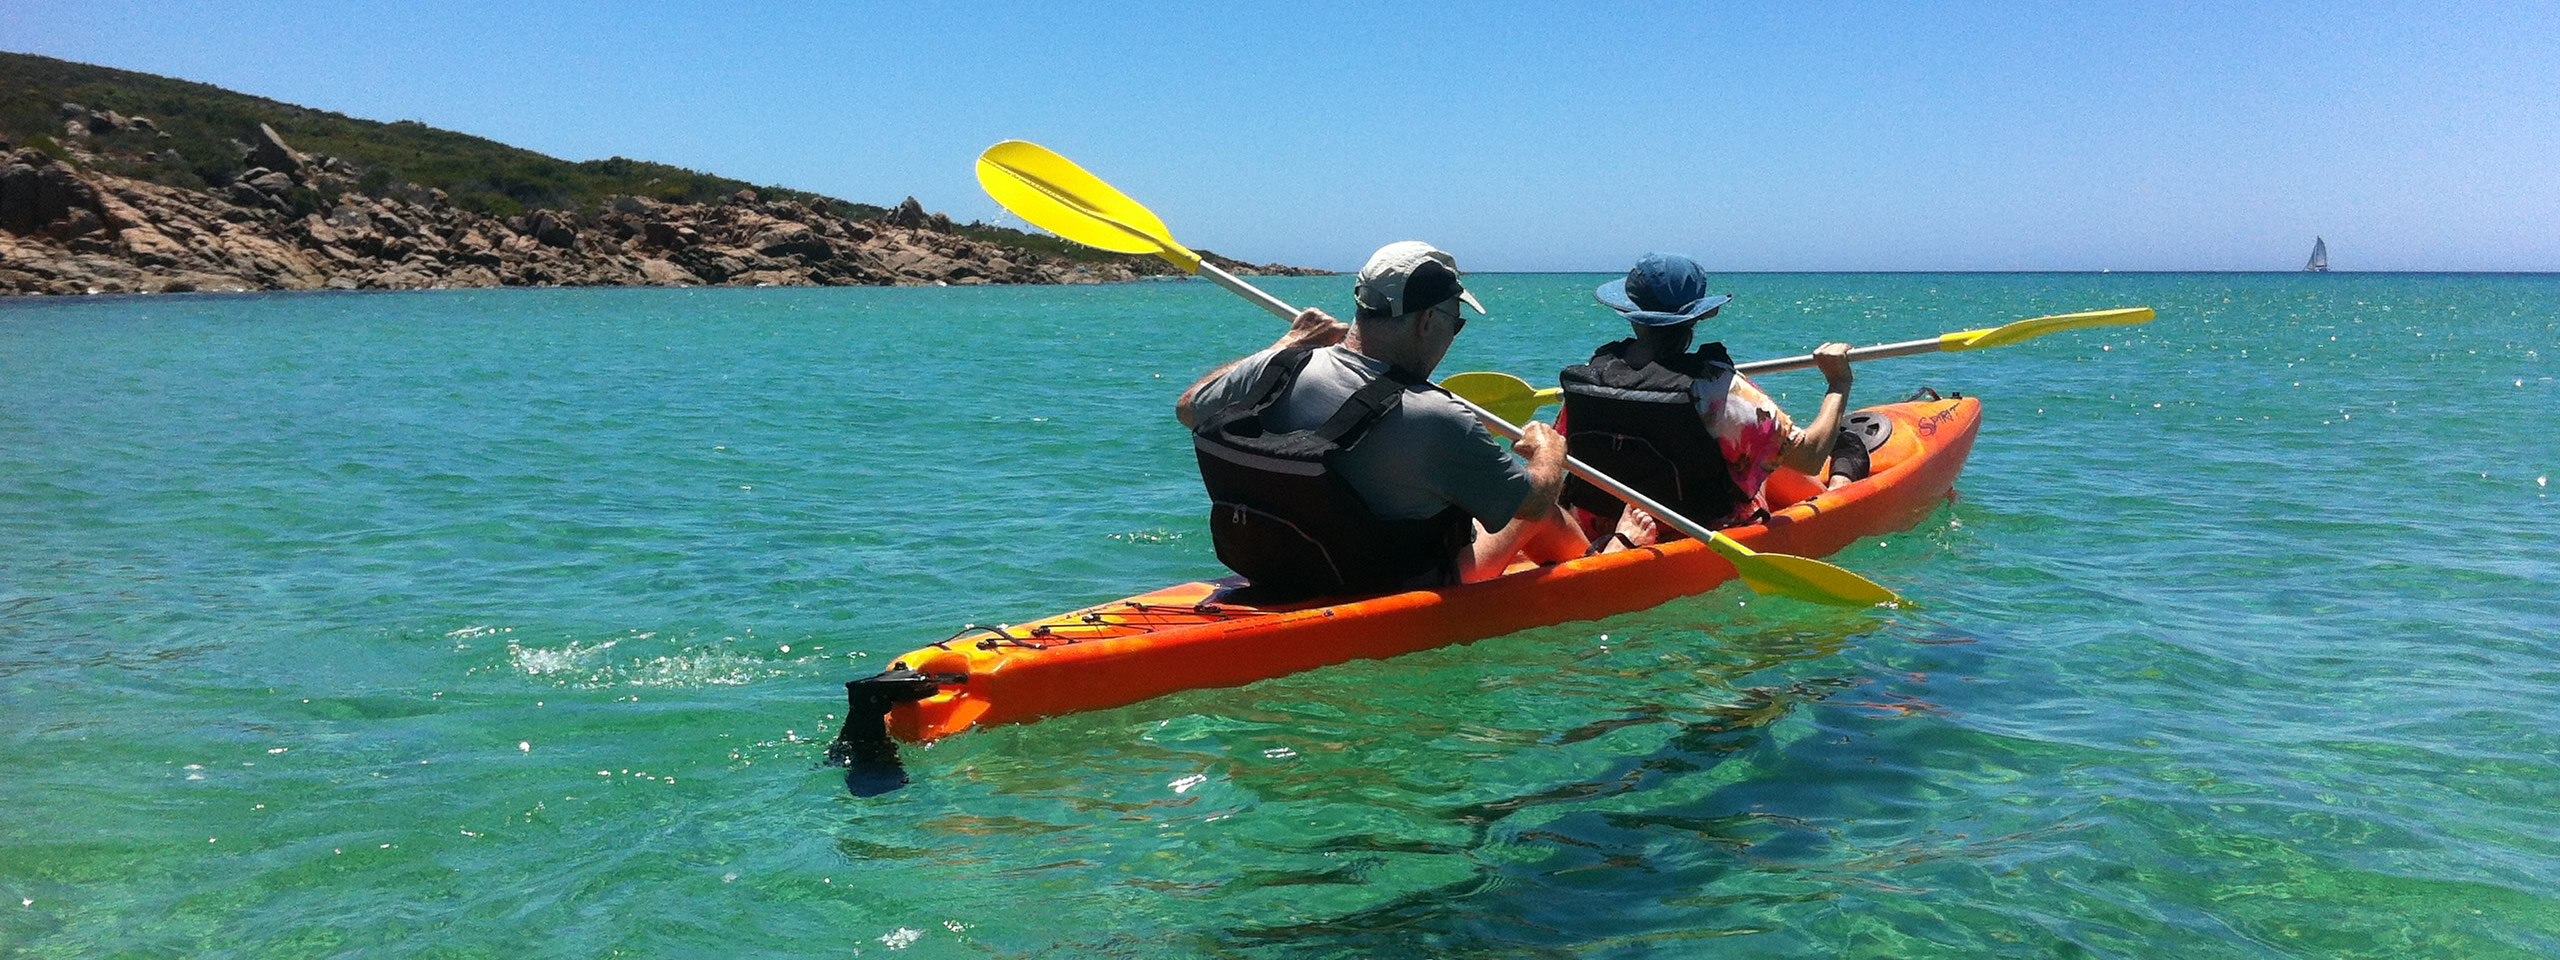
x=1470, y=300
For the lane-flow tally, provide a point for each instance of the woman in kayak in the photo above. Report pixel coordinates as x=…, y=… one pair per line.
x=1680, y=424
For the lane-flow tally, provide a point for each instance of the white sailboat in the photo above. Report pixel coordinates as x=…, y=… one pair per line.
x=2319, y=257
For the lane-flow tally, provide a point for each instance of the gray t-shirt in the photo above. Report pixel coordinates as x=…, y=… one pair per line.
x=1425, y=456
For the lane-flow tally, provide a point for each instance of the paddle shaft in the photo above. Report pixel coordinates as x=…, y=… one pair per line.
x=1726, y=545
x=2018, y=332
x=1878, y=352
x=1245, y=290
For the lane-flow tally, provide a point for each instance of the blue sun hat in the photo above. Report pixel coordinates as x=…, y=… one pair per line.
x=1662, y=290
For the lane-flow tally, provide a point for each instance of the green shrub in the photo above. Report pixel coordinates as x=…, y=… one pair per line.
x=50, y=147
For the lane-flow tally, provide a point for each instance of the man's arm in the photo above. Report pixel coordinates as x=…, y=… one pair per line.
x=1806, y=449
x=1539, y=528
x=1544, y=449
x=1311, y=328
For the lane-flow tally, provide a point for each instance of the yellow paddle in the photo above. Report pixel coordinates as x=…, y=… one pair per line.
x=1999, y=336
x=1515, y=399
x=1509, y=397
x=1056, y=195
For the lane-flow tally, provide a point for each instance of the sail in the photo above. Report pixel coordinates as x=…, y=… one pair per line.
x=2319, y=256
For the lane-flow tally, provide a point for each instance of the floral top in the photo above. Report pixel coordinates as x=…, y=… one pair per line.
x=1752, y=431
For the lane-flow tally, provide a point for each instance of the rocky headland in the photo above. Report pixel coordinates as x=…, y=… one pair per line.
x=295, y=221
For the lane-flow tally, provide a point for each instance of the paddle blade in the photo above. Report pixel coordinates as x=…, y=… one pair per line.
x=2002, y=336
x=1810, y=580
x=1055, y=195
x=1509, y=397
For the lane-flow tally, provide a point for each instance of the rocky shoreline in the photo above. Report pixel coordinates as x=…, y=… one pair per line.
x=294, y=221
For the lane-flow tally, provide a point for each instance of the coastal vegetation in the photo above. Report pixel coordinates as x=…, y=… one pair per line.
x=117, y=181
x=196, y=136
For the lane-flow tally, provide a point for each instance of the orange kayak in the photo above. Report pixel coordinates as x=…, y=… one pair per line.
x=1190, y=636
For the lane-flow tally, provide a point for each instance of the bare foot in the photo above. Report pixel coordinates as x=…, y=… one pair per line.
x=1638, y=528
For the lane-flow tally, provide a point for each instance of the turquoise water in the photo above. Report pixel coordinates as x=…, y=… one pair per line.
x=511, y=623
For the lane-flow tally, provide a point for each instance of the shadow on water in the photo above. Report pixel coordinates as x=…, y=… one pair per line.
x=874, y=779
x=1722, y=850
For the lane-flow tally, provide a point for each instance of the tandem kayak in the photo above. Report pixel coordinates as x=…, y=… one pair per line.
x=1197, y=635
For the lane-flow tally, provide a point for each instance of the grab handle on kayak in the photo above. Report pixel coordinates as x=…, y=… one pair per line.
x=863, y=746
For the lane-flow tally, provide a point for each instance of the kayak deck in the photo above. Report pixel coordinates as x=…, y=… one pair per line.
x=1195, y=635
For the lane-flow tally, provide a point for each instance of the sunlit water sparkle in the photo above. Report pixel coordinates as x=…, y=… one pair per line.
x=511, y=624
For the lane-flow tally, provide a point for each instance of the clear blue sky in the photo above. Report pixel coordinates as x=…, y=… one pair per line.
x=1757, y=136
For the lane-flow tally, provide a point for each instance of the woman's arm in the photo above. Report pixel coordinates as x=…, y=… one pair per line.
x=1806, y=450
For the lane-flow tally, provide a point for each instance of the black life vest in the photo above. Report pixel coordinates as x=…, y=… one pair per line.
x=1641, y=427
x=1281, y=512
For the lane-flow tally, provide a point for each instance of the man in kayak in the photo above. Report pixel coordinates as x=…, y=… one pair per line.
x=1679, y=424
x=1335, y=466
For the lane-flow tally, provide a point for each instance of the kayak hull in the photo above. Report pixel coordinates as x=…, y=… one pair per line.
x=1190, y=636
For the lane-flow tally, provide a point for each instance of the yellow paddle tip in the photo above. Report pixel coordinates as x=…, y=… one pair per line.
x=1053, y=193
x=2030, y=329
x=1810, y=580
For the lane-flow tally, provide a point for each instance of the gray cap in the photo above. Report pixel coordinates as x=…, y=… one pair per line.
x=1409, y=276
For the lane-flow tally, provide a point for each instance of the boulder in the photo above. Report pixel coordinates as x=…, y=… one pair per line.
x=121, y=214
x=660, y=233
x=78, y=222
x=909, y=214
x=789, y=239
x=36, y=190
x=665, y=273
x=547, y=228
x=271, y=183
x=471, y=276
x=711, y=267
x=18, y=199
x=145, y=124
x=271, y=152
x=320, y=232
x=471, y=246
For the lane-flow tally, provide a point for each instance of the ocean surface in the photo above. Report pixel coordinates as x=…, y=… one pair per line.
x=513, y=623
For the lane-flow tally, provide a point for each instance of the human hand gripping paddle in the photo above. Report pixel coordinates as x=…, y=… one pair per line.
x=1056, y=195
x=1515, y=399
